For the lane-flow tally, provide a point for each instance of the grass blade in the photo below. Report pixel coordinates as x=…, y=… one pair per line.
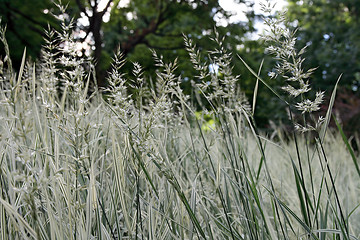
x=348, y=146
x=329, y=111
x=256, y=88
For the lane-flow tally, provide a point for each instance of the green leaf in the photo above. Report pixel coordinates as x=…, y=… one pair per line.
x=329, y=111
x=348, y=146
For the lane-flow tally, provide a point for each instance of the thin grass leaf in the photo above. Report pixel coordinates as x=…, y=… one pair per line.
x=333, y=231
x=304, y=225
x=20, y=74
x=300, y=196
x=263, y=81
x=348, y=146
x=20, y=220
x=329, y=111
x=352, y=211
x=256, y=88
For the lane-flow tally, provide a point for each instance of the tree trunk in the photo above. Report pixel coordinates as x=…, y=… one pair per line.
x=96, y=22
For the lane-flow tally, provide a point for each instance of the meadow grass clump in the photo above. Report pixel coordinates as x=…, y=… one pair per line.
x=135, y=162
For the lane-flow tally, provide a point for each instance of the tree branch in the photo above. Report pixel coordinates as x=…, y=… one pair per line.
x=168, y=35
x=140, y=34
x=26, y=16
x=162, y=48
x=82, y=8
x=86, y=35
x=89, y=1
x=107, y=6
x=24, y=41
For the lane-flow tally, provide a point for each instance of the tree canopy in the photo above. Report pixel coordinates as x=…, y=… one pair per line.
x=136, y=26
x=331, y=31
x=25, y=21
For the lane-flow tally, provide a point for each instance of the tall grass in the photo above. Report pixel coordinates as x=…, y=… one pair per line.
x=76, y=164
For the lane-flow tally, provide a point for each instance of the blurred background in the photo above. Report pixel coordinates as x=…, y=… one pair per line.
x=329, y=29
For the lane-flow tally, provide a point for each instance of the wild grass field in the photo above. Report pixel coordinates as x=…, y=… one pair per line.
x=78, y=163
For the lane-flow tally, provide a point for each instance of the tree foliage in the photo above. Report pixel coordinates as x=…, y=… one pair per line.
x=331, y=30
x=135, y=27
x=25, y=21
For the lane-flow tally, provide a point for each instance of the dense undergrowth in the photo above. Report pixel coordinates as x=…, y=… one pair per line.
x=78, y=164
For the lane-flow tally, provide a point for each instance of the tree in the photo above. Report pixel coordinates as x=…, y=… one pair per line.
x=26, y=21
x=157, y=24
x=137, y=26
